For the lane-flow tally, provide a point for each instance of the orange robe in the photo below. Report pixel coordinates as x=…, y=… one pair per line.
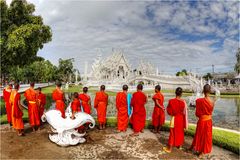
x=139, y=112
x=42, y=102
x=158, y=115
x=85, y=103
x=17, y=121
x=6, y=97
x=176, y=108
x=100, y=103
x=76, y=105
x=58, y=96
x=202, y=141
x=122, y=111
x=33, y=109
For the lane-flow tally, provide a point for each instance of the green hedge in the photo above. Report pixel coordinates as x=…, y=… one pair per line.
x=224, y=139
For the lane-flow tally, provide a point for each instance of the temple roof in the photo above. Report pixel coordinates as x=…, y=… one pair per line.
x=114, y=60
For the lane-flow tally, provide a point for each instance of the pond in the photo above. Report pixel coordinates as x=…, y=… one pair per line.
x=225, y=115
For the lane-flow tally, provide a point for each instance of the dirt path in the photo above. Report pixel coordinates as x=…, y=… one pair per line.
x=100, y=145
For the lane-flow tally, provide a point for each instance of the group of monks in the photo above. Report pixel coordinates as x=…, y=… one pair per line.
x=130, y=109
x=36, y=101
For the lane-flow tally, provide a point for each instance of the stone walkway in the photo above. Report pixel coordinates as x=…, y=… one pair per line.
x=107, y=144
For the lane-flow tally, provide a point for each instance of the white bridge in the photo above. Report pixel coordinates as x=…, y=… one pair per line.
x=149, y=81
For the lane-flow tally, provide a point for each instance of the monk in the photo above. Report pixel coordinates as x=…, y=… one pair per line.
x=122, y=109
x=33, y=111
x=41, y=98
x=138, y=118
x=75, y=105
x=17, y=121
x=176, y=109
x=158, y=115
x=202, y=142
x=6, y=95
x=86, y=101
x=58, y=96
x=100, y=103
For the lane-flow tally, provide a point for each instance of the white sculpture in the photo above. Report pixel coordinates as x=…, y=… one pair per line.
x=64, y=133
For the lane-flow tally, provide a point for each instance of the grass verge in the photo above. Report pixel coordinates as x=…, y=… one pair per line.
x=224, y=139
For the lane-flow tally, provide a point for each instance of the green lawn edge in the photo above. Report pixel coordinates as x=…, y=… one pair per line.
x=224, y=139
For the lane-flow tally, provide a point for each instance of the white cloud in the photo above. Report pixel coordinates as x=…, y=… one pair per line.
x=81, y=27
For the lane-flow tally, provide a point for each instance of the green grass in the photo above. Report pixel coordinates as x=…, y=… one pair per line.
x=3, y=118
x=224, y=139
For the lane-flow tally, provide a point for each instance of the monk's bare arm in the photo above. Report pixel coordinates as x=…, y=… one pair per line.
x=73, y=115
x=19, y=104
x=156, y=101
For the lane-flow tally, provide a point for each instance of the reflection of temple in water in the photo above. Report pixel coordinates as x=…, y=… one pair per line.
x=115, y=70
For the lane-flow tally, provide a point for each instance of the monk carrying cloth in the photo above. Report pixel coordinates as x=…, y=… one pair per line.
x=177, y=109
x=33, y=108
x=202, y=142
x=100, y=103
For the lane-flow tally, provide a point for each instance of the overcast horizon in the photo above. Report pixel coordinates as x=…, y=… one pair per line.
x=171, y=35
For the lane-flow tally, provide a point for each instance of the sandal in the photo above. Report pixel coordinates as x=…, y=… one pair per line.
x=167, y=150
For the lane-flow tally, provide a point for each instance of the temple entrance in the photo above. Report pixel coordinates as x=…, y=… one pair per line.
x=121, y=72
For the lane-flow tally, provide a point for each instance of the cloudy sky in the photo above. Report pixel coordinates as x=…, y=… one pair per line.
x=171, y=35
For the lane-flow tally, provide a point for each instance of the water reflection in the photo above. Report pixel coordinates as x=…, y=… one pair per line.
x=226, y=111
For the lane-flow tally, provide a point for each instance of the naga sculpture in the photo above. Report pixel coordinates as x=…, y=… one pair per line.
x=64, y=133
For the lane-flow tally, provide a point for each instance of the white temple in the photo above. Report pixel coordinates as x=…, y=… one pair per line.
x=115, y=70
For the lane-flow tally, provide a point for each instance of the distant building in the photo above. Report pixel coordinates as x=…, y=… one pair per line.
x=223, y=77
x=115, y=71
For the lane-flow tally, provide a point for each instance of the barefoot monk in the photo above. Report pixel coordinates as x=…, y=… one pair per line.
x=158, y=115
x=122, y=109
x=17, y=121
x=33, y=110
x=177, y=110
x=202, y=142
x=100, y=103
x=139, y=112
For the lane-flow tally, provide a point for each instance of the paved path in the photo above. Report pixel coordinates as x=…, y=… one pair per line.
x=107, y=144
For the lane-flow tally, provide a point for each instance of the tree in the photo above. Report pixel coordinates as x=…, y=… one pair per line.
x=22, y=34
x=65, y=69
x=237, y=65
x=38, y=71
x=208, y=76
x=17, y=74
x=182, y=73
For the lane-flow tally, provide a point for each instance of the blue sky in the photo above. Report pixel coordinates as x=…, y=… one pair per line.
x=171, y=35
